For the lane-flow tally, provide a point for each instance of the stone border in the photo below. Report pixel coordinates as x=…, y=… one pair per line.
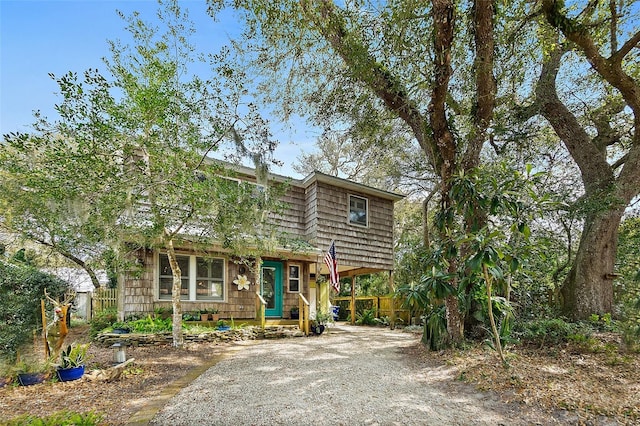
x=234, y=335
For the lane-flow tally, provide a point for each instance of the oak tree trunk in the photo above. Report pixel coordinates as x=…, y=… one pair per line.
x=588, y=289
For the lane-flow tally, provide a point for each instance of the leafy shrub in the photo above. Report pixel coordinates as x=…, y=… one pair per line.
x=102, y=320
x=150, y=325
x=61, y=418
x=21, y=289
x=551, y=331
x=435, y=329
x=367, y=317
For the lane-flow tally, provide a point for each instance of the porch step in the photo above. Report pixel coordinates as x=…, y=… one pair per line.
x=274, y=322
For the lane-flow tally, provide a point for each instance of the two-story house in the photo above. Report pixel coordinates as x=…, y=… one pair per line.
x=320, y=209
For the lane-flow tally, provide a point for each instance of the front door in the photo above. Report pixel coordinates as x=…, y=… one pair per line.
x=271, y=287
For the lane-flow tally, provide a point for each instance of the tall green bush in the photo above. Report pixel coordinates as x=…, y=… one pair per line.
x=21, y=289
x=102, y=320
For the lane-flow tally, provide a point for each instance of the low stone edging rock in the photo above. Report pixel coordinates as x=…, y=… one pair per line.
x=248, y=333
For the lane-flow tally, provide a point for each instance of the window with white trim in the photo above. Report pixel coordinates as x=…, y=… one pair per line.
x=202, y=277
x=358, y=210
x=209, y=278
x=294, y=278
x=166, y=277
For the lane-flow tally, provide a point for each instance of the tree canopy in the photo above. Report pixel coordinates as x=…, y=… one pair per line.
x=128, y=164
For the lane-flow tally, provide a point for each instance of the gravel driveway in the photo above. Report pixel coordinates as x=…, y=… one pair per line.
x=347, y=376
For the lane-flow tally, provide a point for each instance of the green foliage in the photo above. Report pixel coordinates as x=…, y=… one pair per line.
x=74, y=355
x=602, y=323
x=147, y=324
x=131, y=157
x=386, y=321
x=60, y=418
x=151, y=325
x=191, y=316
x=373, y=284
x=550, y=332
x=32, y=364
x=21, y=289
x=627, y=287
x=323, y=317
x=435, y=329
x=102, y=320
x=367, y=317
x=164, y=312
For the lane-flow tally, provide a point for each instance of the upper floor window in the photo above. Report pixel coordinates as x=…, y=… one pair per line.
x=358, y=210
x=202, y=278
x=294, y=278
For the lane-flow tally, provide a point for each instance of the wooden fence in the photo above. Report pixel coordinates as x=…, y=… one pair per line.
x=381, y=304
x=103, y=298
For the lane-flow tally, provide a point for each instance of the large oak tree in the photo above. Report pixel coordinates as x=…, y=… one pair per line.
x=602, y=135
x=367, y=62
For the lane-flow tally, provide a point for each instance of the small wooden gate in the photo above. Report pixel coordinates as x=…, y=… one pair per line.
x=103, y=298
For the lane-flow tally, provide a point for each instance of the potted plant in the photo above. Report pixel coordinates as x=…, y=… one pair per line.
x=295, y=312
x=214, y=315
x=72, y=361
x=120, y=327
x=204, y=315
x=30, y=373
x=222, y=325
x=319, y=323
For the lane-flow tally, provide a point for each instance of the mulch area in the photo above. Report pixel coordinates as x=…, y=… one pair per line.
x=599, y=382
x=154, y=368
x=596, y=383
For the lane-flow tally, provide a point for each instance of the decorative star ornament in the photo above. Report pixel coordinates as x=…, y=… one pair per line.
x=242, y=282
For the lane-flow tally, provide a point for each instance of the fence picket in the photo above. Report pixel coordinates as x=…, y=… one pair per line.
x=103, y=298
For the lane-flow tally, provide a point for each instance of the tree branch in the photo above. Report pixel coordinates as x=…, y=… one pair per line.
x=591, y=160
x=443, y=29
x=626, y=48
x=485, y=81
x=610, y=69
x=386, y=86
x=68, y=255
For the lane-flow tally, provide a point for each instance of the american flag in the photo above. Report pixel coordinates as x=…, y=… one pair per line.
x=332, y=263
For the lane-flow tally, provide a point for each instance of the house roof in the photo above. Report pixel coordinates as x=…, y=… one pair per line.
x=317, y=176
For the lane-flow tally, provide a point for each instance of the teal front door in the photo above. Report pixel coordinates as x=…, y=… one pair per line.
x=271, y=288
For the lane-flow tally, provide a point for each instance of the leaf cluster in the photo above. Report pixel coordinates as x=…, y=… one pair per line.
x=21, y=289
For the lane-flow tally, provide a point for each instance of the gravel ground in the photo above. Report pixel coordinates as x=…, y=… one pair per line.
x=347, y=376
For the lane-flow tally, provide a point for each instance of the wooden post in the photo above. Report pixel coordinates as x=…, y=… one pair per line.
x=47, y=351
x=353, y=300
x=392, y=320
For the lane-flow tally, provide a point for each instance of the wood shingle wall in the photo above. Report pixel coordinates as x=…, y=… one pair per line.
x=358, y=246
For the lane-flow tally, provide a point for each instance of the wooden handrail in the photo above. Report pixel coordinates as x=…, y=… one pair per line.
x=260, y=309
x=303, y=319
x=395, y=310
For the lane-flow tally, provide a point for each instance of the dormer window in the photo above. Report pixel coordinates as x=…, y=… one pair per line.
x=358, y=211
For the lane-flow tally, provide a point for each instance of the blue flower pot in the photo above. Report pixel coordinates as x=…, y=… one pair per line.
x=224, y=327
x=68, y=374
x=28, y=379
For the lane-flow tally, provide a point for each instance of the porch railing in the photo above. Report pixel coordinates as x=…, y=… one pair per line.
x=261, y=306
x=384, y=306
x=303, y=319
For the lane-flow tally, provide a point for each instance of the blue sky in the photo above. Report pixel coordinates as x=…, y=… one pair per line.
x=38, y=37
